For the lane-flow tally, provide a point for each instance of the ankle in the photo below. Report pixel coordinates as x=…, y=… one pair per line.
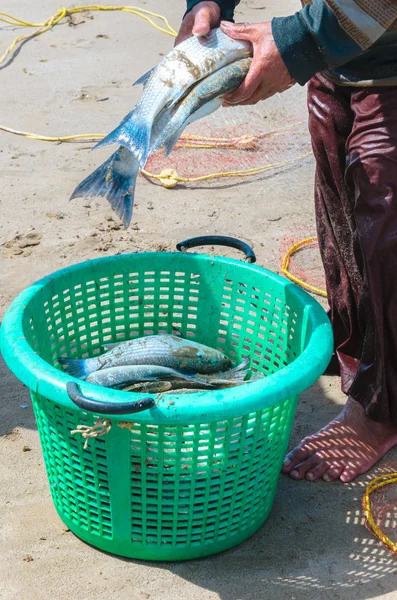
x=355, y=407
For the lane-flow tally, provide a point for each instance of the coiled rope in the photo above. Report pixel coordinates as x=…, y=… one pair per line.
x=376, y=484
x=285, y=267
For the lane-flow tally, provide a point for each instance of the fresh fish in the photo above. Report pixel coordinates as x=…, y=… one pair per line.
x=149, y=387
x=191, y=387
x=231, y=378
x=189, y=62
x=122, y=376
x=115, y=179
x=163, y=350
x=204, y=98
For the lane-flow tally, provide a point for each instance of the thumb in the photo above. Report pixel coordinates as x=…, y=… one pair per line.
x=202, y=22
x=240, y=31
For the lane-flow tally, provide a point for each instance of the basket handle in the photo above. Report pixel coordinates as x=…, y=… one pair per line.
x=106, y=408
x=218, y=240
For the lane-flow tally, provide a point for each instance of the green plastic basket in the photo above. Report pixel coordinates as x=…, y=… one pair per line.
x=197, y=473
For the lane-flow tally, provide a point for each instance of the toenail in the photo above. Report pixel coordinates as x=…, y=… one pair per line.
x=310, y=475
x=326, y=477
x=294, y=473
x=287, y=462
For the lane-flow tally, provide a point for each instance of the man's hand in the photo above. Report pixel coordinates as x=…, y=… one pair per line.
x=268, y=74
x=203, y=17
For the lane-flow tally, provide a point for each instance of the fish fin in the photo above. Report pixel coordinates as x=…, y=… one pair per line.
x=179, y=95
x=194, y=379
x=219, y=383
x=254, y=376
x=77, y=367
x=121, y=386
x=144, y=78
x=149, y=387
x=243, y=365
x=132, y=133
x=114, y=180
x=204, y=111
x=171, y=142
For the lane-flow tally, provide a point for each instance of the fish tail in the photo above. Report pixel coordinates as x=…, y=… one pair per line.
x=78, y=367
x=197, y=380
x=114, y=180
x=132, y=133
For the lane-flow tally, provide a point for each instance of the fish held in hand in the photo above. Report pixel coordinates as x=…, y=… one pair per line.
x=171, y=100
x=204, y=98
x=115, y=179
x=164, y=350
x=189, y=62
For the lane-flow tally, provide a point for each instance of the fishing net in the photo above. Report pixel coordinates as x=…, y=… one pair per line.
x=239, y=142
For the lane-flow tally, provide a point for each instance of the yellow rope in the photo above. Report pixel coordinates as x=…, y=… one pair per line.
x=375, y=484
x=168, y=177
x=66, y=12
x=186, y=141
x=81, y=137
x=174, y=178
x=285, y=265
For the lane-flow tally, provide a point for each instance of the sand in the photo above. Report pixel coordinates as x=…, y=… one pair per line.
x=314, y=545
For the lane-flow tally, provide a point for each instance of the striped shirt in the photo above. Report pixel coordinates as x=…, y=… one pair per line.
x=353, y=41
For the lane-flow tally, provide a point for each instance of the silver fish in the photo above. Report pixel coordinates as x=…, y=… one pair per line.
x=237, y=376
x=115, y=179
x=121, y=376
x=149, y=387
x=163, y=350
x=189, y=62
x=204, y=98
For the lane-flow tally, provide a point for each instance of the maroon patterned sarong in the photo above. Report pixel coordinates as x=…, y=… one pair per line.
x=354, y=136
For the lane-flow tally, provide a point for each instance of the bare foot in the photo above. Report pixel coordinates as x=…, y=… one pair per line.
x=348, y=446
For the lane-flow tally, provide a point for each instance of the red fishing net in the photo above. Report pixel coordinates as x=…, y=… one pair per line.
x=239, y=142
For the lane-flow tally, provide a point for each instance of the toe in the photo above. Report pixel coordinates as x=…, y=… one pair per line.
x=317, y=472
x=349, y=473
x=333, y=473
x=304, y=467
x=293, y=458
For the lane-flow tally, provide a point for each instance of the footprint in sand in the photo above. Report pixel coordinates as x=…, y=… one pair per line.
x=23, y=241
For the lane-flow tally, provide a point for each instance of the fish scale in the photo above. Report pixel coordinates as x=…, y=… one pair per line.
x=116, y=177
x=122, y=376
x=163, y=350
x=204, y=98
x=184, y=65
